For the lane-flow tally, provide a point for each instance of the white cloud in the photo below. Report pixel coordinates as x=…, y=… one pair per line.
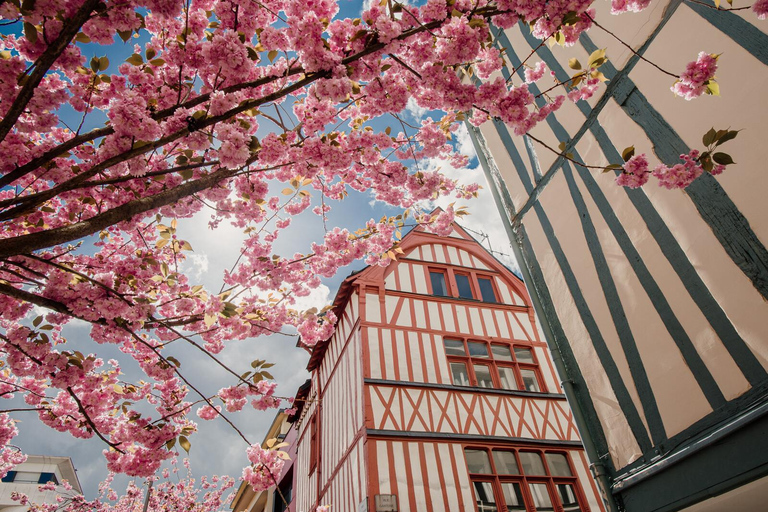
x=414, y=109
x=318, y=298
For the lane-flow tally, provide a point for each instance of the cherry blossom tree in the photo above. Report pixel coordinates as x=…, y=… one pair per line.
x=255, y=110
x=159, y=495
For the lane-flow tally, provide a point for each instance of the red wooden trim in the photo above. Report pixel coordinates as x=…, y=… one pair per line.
x=409, y=475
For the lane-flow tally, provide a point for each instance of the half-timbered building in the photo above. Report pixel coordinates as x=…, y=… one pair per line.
x=655, y=299
x=437, y=393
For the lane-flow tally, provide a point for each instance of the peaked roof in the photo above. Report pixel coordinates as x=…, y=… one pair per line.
x=372, y=274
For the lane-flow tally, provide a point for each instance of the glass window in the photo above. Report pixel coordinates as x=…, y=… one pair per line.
x=501, y=352
x=513, y=496
x=558, y=464
x=524, y=355
x=567, y=496
x=438, y=283
x=506, y=463
x=486, y=501
x=454, y=348
x=478, y=461
x=530, y=382
x=462, y=283
x=48, y=477
x=486, y=289
x=532, y=463
x=477, y=349
x=459, y=374
x=541, y=499
x=483, y=376
x=9, y=476
x=507, y=378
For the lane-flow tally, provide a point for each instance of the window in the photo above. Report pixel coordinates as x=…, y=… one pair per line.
x=464, y=284
x=512, y=480
x=286, y=491
x=47, y=477
x=313, y=442
x=439, y=282
x=9, y=477
x=492, y=365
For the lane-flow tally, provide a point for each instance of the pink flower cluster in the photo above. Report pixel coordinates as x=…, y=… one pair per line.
x=635, y=172
x=267, y=466
x=697, y=75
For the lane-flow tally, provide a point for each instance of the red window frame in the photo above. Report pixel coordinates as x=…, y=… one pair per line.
x=549, y=479
x=451, y=285
x=495, y=363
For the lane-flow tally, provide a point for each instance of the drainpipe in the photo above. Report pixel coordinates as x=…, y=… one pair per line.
x=596, y=465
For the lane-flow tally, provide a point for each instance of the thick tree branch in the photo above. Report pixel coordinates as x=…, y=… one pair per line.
x=42, y=65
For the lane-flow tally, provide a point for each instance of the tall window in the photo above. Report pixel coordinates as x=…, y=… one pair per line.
x=492, y=365
x=506, y=480
x=313, y=441
x=462, y=283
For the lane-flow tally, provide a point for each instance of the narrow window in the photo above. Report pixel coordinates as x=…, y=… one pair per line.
x=513, y=496
x=541, y=498
x=47, y=477
x=486, y=289
x=313, y=455
x=459, y=374
x=465, y=289
x=437, y=279
x=483, y=376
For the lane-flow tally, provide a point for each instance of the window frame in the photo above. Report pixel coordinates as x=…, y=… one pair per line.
x=550, y=480
x=516, y=366
x=451, y=284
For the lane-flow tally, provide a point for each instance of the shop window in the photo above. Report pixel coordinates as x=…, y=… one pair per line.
x=492, y=365
x=512, y=480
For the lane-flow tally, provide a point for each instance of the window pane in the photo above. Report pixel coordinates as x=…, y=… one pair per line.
x=558, y=464
x=532, y=463
x=477, y=349
x=513, y=496
x=507, y=377
x=483, y=376
x=506, y=464
x=530, y=382
x=486, y=289
x=459, y=374
x=477, y=461
x=568, y=498
x=523, y=355
x=438, y=283
x=541, y=499
x=501, y=352
x=486, y=502
x=454, y=348
x=462, y=283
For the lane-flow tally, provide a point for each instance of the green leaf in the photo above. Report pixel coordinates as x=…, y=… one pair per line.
x=574, y=63
x=135, y=59
x=37, y=321
x=157, y=62
x=717, y=3
x=30, y=32
x=82, y=38
x=561, y=146
x=184, y=443
x=594, y=56
x=267, y=375
x=175, y=361
x=713, y=88
x=103, y=63
x=722, y=158
x=731, y=134
x=95, y=64
x=151, y=52
x=169, y=444
x=628, y=153
x=272, y=55
x=709, y=137
x=125, y=35
x=613, y=166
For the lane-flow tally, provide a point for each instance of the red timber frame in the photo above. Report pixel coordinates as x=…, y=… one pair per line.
x=369, y=286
